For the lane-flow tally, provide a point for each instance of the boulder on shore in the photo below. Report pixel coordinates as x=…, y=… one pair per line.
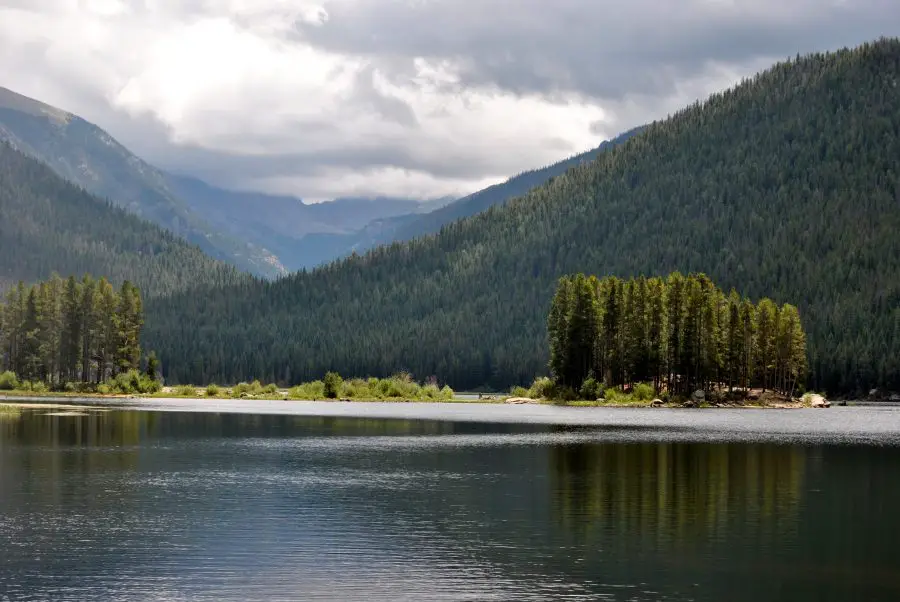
x=817, y=401
x=656, y=403
x=699, y=396
x=689, y=404
x=520, y=400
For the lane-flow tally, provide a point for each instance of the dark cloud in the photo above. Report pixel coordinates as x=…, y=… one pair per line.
x=601, y=48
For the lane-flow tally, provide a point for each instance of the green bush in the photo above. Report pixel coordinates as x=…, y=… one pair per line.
x=614, y=394
x=333, y=382
x=519, y=392
x=8, y=381
x=249, y=389
x=150, y=385
x=39, y=386
x=643, y=392
x=313, y=391
x=132, y=381
x=270, y=389
x=542, y=388
x=399, y=386
x=212, y=390
x=186, y=391
x=590, y=389
x=103, y=389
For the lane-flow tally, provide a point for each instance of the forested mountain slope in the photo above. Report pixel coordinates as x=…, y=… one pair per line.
x=785, y=186
x=500, y=193
x=85, y=154
x=318, y=248
x=48, y=224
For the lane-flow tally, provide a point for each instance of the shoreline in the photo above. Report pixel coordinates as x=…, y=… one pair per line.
x=27, y=398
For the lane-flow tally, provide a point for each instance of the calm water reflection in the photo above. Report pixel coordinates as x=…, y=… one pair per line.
x=137, y=505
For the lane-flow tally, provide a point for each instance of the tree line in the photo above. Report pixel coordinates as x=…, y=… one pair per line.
x=679, y=333
x=61, y=331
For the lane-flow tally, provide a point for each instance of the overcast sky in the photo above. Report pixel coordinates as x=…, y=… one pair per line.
x=417, y=98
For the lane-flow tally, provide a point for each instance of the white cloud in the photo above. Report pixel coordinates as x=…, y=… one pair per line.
x=331, y=98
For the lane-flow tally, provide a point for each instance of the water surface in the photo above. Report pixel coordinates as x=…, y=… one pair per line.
x=405, y=502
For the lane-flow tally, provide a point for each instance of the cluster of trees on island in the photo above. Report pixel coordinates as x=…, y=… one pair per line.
x=679, y=333
x=60, y=332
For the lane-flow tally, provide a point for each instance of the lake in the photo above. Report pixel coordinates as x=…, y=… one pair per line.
x=373, y=502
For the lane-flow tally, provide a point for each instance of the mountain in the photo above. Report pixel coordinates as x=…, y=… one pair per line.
x=319, y=248
x=83, y=153
x=301, y=235
x=500, y=193
x=785, y=186
x=48, y=224
x=259, y=233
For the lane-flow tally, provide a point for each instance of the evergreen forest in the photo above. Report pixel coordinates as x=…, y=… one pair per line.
x=785, y=186
x=679, y=333
x=64, y=331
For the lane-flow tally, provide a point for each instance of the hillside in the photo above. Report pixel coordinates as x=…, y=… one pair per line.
x=85, y=154
x=318, y=248
x=48, y=224
x=785, y=186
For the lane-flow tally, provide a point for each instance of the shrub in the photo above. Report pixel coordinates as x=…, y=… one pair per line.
x=39, y=386
x=103, y=389
x=358, y=389
x=212, y=390
x=590, y=389
x=150, y=385
x=643, y=392
x=70, y=388
x=333, y=382
x=132, y=381
x=270, y=389
x=614, y=394
x=447, y=393
x=242, y=389
x=8, y=381
x=519, y=392
x=309, y=391
x=542, y=388
x=186, y=391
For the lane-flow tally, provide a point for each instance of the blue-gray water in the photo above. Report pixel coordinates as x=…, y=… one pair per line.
x=637, y=505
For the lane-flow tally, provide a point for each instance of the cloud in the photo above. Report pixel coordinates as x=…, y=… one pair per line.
x=398, y=97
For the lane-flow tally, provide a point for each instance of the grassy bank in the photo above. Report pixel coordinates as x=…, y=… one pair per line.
x=593, y=394
x=400, y=387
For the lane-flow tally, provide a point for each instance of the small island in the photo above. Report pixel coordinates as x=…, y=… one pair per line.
x=678, y=340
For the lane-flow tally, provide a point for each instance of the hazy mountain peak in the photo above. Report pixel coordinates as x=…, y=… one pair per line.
x=23, y=104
